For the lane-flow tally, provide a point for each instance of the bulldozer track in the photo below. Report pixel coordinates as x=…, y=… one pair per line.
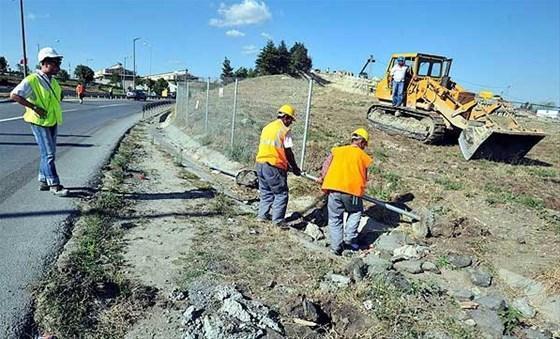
x=435, y=135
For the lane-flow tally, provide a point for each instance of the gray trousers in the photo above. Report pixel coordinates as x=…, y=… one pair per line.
x=338, y=204
x=273, y=188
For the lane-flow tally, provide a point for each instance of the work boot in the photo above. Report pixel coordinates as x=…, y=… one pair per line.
x=43, y=186
x=351, y=247
x=59, y=190
x=282, y=225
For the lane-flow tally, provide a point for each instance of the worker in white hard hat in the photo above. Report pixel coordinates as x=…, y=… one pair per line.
x=344, y=178
x=274, y=159
x=41, y=95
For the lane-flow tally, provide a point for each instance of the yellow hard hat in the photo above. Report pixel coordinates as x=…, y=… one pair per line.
x=361, y=132
x=287, y=110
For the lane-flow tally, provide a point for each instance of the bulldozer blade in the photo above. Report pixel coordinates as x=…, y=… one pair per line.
x=482, y=142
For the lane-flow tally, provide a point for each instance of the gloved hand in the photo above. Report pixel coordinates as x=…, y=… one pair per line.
x=296, y=171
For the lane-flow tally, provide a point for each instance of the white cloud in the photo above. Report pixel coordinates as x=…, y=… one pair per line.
x=248, y=12
x=250, y=49
x=234, y=33
x=33, y=16
x=266, y=36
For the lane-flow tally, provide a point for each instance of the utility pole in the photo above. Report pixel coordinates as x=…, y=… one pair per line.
x=134, y=63
x=23, y=38
x=124, y=75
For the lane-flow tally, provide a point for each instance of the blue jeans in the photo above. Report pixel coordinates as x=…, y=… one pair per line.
x=46, y=139
x=398, y=89
x=338, y=204
x=273, y=188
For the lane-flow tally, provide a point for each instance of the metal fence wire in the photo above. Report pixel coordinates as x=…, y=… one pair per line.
x=229, y=114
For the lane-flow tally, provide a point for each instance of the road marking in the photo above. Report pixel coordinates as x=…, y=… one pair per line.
x=11, y=119
x=112, y=105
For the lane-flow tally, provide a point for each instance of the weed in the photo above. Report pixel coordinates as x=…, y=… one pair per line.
x=379, y=154
x=443, y=262
x=511, y=318
x=109, y=202
x=240, y=153
x=449, y=184
x=223, y=206
x=499, y=196
x=543, y=172
x=186, y=175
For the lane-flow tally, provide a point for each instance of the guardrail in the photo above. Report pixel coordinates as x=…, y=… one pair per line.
x=156, y=107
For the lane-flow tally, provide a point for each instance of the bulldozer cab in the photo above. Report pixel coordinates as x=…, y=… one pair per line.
x=420, y=65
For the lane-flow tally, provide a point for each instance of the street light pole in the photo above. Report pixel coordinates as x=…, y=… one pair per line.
x=23, y=38
x=134, y=63
x=124, y=75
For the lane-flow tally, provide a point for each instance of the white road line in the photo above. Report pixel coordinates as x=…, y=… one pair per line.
x=112, y=105
x=11, y=119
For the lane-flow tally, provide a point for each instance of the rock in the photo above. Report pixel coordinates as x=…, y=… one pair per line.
x=410, y=252
x=387, y=242
x=409, y=266
x=236, y=310
x=430, y=267
x=339, y=279
x=356, y=268
x=531, y=333
x=314, y=231
x=459, y=261
x=550, y=309
x=492, y=302
x=522, y=305
x=396, y=279
x=480, y=278
x=461, y=294
x=488, y=322
x=307, y=310
x=368, y=305
x=375, y=264
x=191, y=313
x=420, y=230
x=177, y=295
x=470, y=322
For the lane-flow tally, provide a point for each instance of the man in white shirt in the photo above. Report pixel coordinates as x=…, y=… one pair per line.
x=398, y=77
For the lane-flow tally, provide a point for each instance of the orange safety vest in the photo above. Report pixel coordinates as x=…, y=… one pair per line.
x=271, y=146
x=347, y=172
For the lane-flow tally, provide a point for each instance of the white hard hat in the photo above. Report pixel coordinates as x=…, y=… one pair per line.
x=47, y=52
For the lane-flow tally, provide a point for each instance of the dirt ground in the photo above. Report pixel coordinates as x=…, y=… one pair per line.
x=185, y=224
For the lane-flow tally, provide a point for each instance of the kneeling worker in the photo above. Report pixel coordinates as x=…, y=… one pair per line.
x=344, y=177
x=274, y=159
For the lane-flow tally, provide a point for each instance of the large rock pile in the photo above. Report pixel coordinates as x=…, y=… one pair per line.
x=220, y=311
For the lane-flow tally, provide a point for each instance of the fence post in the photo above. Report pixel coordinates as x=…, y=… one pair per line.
x=207, y=98
x=233, y=114
x=187, y=105
x=306, y=127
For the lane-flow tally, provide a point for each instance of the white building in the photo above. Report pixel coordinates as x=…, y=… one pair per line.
x=104, y=76
x=548, y=113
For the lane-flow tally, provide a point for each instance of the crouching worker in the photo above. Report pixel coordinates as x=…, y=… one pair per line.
x=344, y=177
x=274, y=159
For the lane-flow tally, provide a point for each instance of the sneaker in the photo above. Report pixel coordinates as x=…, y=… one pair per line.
x=59, y=190
x=351, y=247
x=43, y=186
x=338, y=252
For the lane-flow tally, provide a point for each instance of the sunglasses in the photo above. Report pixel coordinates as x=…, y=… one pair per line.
x=57, y=62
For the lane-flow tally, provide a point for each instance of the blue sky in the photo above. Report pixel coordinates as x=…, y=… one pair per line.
x=505, y=46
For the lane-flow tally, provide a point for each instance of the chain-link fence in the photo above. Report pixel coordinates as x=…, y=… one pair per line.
x=229, y=114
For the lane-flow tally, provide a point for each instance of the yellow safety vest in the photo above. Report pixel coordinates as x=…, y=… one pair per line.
x=46, y=98
x=347, y=172
x=271, y=146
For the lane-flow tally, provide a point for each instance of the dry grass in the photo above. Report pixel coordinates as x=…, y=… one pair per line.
x=551, y=279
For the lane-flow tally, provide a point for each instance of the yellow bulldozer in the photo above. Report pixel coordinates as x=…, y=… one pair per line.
x=435, y=108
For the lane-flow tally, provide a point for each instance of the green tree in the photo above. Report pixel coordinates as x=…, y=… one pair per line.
x=3, y=64
x=140, y=81
x=283, y=61
x=241, y=72
x=151, y=84
x=299, y=60
x=63, y=75
x=20, y=68
x=227, y=70
x=267, y=60
x=160, y=85
x=84, y=73
x=252, y=73
x=115, y=78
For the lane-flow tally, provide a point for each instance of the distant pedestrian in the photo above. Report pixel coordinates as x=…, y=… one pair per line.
x=398, y=76
x=80, y=92
x=274, y=159
x=344, y=178
x=41, y=94
x=111, y=93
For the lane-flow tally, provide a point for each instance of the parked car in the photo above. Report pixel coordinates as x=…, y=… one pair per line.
x=136, y=95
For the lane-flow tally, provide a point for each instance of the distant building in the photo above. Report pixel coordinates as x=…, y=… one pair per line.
x=172, y=78
x=104, y=76
x=548, y=113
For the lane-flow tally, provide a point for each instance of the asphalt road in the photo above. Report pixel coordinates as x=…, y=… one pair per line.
x=31, y=222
